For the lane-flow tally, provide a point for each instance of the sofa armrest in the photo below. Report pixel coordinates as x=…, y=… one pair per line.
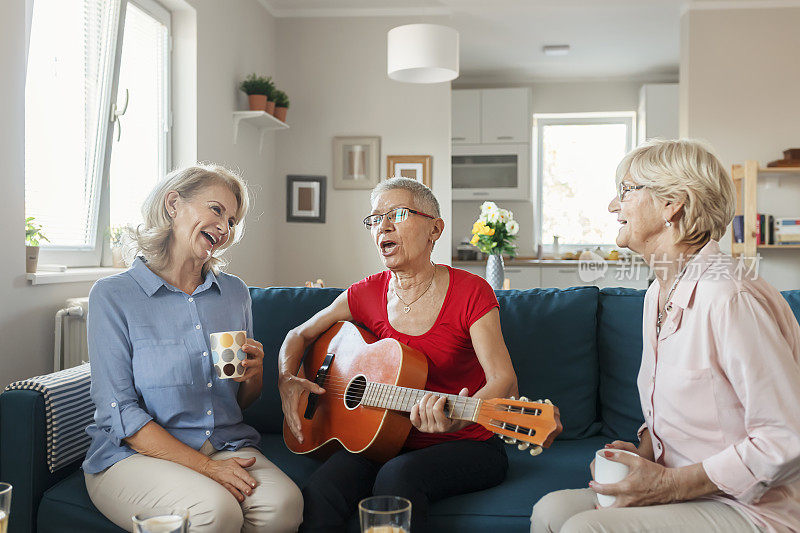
x=23, y=455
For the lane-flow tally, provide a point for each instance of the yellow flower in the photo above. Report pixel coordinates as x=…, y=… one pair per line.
x=489, y=231
x=474, y=239
x=478, y=227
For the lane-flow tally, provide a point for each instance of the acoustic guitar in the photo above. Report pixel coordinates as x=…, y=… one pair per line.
x=370, y=386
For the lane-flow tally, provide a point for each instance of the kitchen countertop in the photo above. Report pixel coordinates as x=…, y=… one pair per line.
x=521, y=261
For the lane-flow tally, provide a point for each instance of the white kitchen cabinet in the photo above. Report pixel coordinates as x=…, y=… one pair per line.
x=490, y=116
x=565, y=275
x=466, y=117
x=505, y=116
x=657, y=116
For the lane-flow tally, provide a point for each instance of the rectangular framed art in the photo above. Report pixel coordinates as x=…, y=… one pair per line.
x=416, y=167
x=356, y=162
x=305, y=198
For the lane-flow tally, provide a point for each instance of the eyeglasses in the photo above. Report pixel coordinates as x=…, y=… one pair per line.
x=396, y=215
x=623, y=188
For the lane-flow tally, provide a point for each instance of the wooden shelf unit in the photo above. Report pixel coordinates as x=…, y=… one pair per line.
x=745, y=179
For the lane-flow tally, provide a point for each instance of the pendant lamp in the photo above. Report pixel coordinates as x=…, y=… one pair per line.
x=422, y=53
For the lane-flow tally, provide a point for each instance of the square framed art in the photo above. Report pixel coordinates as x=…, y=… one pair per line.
x=305, y=198
x=356, y=162
x=416, y=167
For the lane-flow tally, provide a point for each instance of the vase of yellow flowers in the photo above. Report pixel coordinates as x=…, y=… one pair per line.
x=493, y=233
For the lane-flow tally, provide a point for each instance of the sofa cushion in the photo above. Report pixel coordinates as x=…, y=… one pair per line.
x=66, y=508
x=619, y=345
x=275, y=312
x=793, y=297
x=551, y=336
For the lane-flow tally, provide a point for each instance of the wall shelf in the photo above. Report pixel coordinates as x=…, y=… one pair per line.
x=261, y=120
x=745, y=178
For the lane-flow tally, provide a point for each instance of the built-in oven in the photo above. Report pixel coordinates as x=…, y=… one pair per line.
x=491, y=172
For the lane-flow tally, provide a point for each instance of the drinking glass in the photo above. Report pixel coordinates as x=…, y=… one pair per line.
x=385, y=514
x=5, y=506
x=161, y=520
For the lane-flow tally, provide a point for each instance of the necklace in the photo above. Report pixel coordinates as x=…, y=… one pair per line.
x=407, y=307
x=669, y=295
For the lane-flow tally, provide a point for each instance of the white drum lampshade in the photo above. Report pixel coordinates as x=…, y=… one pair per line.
x=422, y=53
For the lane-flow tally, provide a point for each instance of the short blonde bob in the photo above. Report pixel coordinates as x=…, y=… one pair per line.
x=151, y=239
x=687, y=172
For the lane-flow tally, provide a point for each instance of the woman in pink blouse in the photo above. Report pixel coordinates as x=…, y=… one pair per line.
x=719, y=382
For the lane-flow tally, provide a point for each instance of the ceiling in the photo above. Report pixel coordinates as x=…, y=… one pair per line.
x=502, y=40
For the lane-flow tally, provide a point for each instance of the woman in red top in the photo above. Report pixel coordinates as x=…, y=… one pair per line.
x=449, y=315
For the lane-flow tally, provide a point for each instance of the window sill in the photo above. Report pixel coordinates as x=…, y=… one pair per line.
x=72, y=275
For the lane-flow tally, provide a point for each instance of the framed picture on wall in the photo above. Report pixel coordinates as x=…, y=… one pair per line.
x=416, y=167
x=305, y=198
x=356, y=162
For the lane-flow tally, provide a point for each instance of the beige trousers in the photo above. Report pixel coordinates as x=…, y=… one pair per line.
x=138, y=483
x=573, y=511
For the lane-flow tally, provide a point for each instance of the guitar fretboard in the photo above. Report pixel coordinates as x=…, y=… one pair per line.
x=403, y=399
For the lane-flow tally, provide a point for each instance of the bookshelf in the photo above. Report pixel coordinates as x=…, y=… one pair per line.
x=745, y=178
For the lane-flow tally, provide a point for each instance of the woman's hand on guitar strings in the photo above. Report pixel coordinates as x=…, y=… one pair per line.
x=291, y=389
x=428, y=415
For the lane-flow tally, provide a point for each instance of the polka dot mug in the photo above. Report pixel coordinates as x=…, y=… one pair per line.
x=227, y=353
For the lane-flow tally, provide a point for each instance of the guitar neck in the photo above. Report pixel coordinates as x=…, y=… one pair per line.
x=403, y=399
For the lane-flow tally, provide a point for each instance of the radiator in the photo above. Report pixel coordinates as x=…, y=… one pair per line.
x=71, y=348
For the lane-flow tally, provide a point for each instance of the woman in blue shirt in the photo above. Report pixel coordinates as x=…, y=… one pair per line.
x=168, y=432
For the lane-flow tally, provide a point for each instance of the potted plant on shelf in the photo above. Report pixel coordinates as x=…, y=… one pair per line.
x=270, y=89
x=281, y=105
x=115, y=238
x=257, y=88
x=493, y=233
x=33, y=232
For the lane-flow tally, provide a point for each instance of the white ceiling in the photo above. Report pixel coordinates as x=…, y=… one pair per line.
x=502, y=39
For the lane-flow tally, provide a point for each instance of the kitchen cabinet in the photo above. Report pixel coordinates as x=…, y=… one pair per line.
x=564, y=274
x=490, y=116
x=657, y=116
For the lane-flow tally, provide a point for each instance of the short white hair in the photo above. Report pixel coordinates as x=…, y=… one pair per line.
x=151, y=239
x=423, y=197
x=685, y=171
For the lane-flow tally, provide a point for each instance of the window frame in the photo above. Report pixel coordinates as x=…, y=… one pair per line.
x=99, y=254
x=628, y=118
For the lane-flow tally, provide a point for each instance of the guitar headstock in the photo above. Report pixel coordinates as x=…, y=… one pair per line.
x=521, y=421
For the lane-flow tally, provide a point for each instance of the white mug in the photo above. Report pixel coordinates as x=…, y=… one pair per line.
x=607, y=472
x=227, y=353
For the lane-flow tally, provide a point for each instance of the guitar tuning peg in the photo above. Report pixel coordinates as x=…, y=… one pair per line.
x=535, y=450
x=513, y=398
x=523, y=399
x=548, y=402
x=523, y=445
x=509, y=440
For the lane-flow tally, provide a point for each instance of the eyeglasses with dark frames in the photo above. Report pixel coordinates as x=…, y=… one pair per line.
x=622, y=189
x=396, y=215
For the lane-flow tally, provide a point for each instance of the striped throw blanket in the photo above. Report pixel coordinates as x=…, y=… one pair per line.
x=68, y=410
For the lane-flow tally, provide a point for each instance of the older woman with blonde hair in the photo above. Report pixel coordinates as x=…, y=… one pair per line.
x=168, y=430
x=719, y=382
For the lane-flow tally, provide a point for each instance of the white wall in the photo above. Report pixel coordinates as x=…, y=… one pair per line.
x=334, y=71
x=234, y=38
x=555, y=97
x=740, y=93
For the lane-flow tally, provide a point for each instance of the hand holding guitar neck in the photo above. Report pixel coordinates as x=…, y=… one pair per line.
x=292, y=389
x=428, y=415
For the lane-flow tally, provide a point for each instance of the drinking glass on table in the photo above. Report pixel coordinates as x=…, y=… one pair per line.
x=161, y=520
x=5, y=506
x=385, y=514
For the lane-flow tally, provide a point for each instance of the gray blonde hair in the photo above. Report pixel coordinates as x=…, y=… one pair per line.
x=423, y=196
x=151, y=239
x=685, y=171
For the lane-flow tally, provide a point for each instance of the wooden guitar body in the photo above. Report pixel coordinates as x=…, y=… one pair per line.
x=378, y=434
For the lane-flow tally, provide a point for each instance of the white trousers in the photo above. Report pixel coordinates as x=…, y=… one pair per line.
x=573, y=511
x=138, y=483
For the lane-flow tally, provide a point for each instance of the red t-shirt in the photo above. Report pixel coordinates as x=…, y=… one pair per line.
x=452, y=363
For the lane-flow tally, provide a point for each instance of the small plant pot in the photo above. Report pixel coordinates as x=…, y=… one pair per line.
x=116, y=258
x=258, y=102
x=31, y=259
x=270, y=107
x=280, y=113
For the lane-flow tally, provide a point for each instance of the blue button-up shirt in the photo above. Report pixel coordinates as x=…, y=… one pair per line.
x=151, y=360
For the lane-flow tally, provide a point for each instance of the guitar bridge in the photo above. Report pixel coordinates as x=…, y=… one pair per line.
x=319, y=379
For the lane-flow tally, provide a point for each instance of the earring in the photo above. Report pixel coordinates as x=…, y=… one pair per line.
x=667, y=223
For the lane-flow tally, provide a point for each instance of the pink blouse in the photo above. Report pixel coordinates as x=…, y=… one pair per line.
x=721, y=386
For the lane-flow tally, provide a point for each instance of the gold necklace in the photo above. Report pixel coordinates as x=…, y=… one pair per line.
x=660, y=316
x=407, y=307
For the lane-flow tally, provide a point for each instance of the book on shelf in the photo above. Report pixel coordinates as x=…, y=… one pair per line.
x=765, y=225
x=787, y=230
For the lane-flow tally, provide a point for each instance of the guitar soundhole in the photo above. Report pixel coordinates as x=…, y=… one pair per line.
x=355, y=392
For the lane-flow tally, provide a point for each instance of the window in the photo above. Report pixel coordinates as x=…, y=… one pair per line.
x=79, y=54
x=577, y=157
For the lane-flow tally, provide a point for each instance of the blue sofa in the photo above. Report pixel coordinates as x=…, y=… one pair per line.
x=580, y=347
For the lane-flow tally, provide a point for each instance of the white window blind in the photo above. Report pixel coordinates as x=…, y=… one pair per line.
x=140, y=153
x=577, y=157
x=69, y=78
